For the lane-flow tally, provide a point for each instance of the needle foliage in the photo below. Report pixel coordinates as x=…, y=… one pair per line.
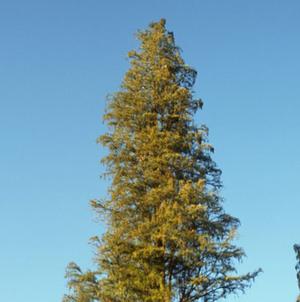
x=168, y=238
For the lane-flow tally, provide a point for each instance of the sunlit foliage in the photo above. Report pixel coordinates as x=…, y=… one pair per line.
x=168, y=237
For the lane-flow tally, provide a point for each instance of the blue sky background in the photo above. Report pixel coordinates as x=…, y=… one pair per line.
x=58, y=61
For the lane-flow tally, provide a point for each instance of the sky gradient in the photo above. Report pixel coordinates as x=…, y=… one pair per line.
x=59, y=60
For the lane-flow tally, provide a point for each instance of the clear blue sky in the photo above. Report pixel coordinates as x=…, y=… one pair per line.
x=58, y=61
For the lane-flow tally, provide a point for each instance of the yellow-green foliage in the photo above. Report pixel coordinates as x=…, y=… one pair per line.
x=168, y=238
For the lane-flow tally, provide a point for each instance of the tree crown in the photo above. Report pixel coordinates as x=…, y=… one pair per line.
x=168, y=237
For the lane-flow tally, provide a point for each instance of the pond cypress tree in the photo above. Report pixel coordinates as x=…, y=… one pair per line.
x=168, y=237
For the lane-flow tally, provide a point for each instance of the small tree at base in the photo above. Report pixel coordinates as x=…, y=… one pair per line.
x=168, y=237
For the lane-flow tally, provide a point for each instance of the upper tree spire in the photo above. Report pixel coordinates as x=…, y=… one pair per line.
x=168, y=237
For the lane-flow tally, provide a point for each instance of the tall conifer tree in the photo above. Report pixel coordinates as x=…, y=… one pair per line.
x=168, y=238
